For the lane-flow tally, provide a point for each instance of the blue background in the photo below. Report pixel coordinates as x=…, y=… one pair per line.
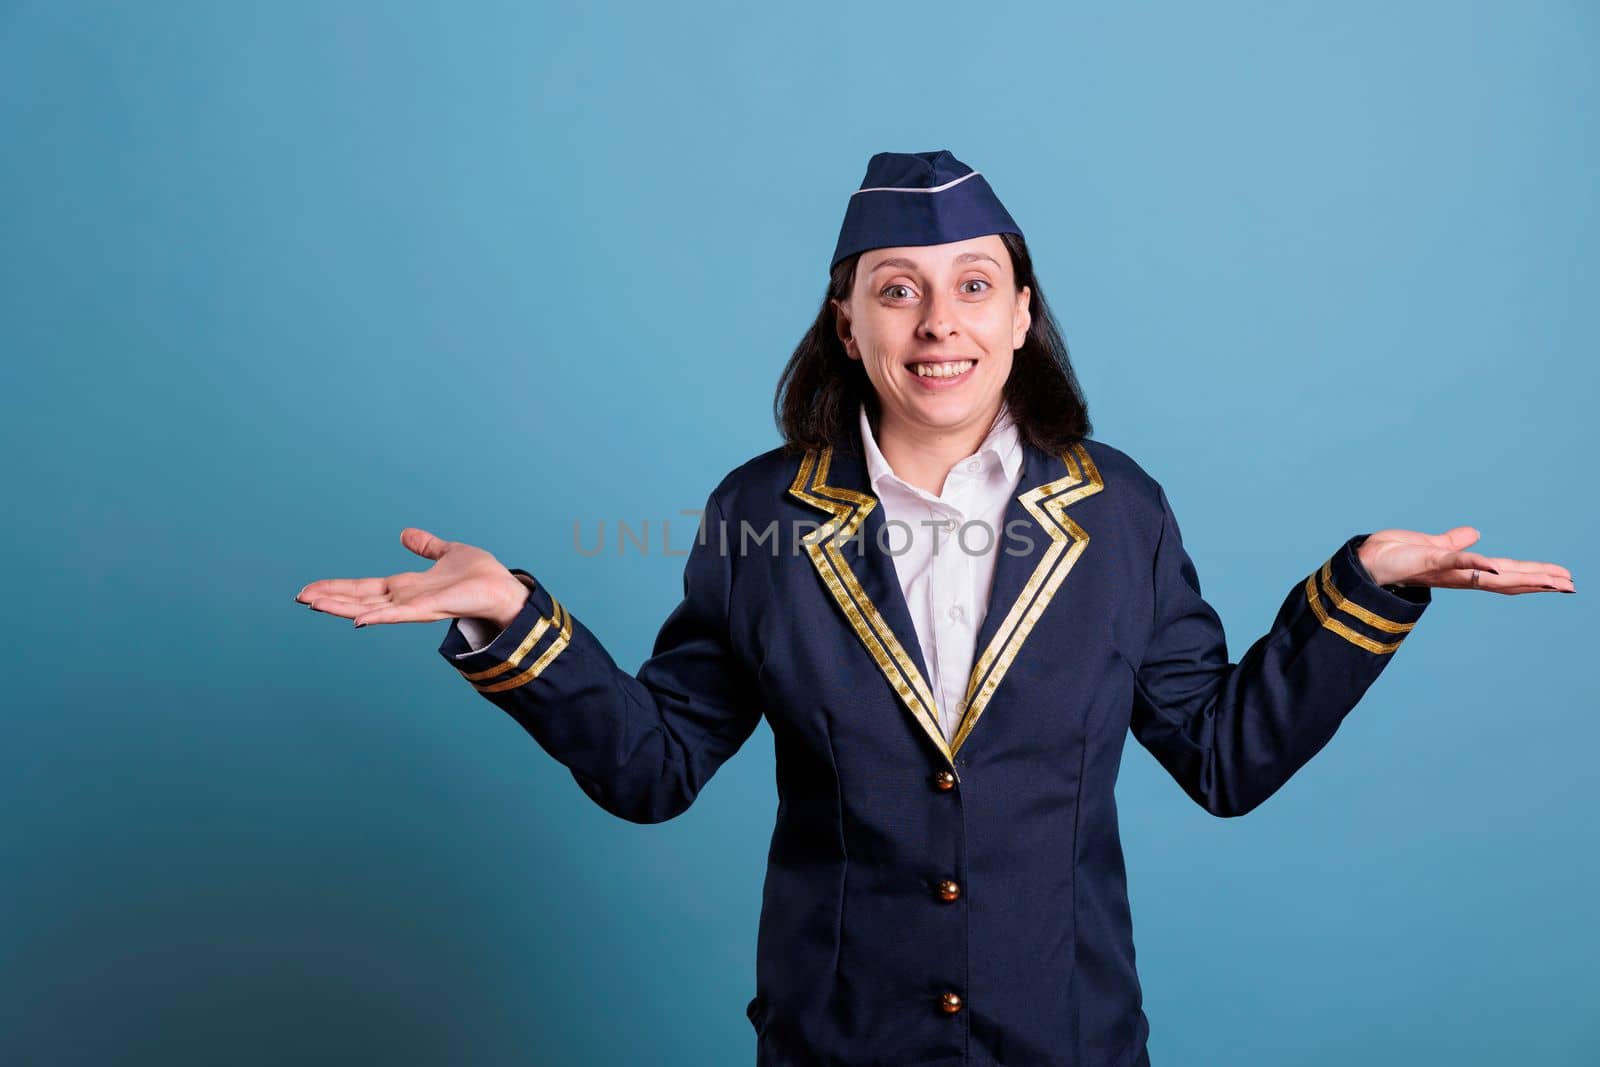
x=279, y=280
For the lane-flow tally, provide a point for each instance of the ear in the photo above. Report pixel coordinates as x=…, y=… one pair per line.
x=841, y=327
x=1021, y=318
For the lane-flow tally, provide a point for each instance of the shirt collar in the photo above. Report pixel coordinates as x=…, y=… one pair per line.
x=1002, y=443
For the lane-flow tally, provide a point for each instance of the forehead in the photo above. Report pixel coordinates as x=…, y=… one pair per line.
x=932, y=258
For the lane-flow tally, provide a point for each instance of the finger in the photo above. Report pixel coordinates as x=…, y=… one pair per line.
x=1468, y=561
x=356, y=587
x=400, y=592
x=341, y=606
x=1539, y=567
x=1535, y=573
x=1546, y=580
x=398, y=613
x=363, y=613
x=1504, y=563
x=424, y=543
x=1453, y=538
x=1523, y=573
x=1459, y=536
x=1527, y=565
x=1509, y=583
x=1540, y=578
x=321, y=602
x=1522, y=585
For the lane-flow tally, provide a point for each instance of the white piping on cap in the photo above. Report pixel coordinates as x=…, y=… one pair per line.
x=935, y=189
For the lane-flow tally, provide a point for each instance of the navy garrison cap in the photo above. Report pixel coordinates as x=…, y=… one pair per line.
x=919, y=198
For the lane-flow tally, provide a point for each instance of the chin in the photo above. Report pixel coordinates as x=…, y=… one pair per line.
x=951, y=411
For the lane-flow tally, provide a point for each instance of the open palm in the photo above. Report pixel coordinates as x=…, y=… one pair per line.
x=1408, y=557
x=464, y=582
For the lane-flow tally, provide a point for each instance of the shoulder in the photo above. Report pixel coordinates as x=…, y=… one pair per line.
x=1132, y=494
x=1127, y=475
x=758, y=484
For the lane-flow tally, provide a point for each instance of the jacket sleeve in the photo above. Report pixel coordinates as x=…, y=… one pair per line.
x=1232, y=733
x=641, y=746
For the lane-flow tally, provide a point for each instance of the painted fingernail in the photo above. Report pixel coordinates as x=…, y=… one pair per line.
x=359, y=625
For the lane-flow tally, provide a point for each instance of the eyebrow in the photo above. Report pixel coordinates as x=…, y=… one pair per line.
x=965, y=257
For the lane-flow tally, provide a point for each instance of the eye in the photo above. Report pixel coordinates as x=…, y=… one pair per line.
x=978, y=282
x=889, y=291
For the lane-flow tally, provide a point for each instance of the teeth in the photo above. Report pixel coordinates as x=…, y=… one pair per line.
x=943, y=370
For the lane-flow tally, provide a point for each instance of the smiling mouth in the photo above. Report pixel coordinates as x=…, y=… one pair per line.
x=953, y=368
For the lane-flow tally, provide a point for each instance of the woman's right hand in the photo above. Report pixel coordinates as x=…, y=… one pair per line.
x=464, y=582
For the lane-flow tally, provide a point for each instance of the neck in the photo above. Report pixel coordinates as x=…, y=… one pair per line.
x=924, y=455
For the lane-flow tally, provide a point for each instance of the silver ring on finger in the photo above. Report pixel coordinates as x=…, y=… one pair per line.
x=1474, y=579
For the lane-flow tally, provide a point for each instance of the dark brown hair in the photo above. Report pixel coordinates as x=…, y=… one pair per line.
x=821, y=386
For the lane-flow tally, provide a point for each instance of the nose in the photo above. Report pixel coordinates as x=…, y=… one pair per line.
x=938, y=317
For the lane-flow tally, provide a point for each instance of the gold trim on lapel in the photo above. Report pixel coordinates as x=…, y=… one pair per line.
x=1047, y=504
x=847, y=509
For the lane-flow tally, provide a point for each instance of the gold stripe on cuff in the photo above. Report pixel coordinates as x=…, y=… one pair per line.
x=560, y=618
x=513, y=661
x=1341, y=603
x=1358, y=639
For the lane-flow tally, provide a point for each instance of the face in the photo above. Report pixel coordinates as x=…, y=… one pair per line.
x=935, y=327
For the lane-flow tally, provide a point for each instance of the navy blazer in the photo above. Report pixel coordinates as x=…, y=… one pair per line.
x=929, y=902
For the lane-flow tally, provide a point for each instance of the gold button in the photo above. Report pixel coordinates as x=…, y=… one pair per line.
x=951, y=1003
x=945, y=780
x=949, y=890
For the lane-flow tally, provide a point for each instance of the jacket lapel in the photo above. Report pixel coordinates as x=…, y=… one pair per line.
x=1044, y=544
x=846, y=552
x=1039, y=544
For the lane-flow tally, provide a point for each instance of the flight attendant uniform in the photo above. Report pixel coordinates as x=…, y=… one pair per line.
x=938, y=898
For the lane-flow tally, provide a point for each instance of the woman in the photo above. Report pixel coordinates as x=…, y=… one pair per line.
x=951, y=606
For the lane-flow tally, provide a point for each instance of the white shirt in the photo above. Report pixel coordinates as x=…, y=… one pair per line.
x=944, y=575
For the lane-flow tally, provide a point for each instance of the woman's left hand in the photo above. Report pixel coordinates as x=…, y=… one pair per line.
x=1405, y=557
